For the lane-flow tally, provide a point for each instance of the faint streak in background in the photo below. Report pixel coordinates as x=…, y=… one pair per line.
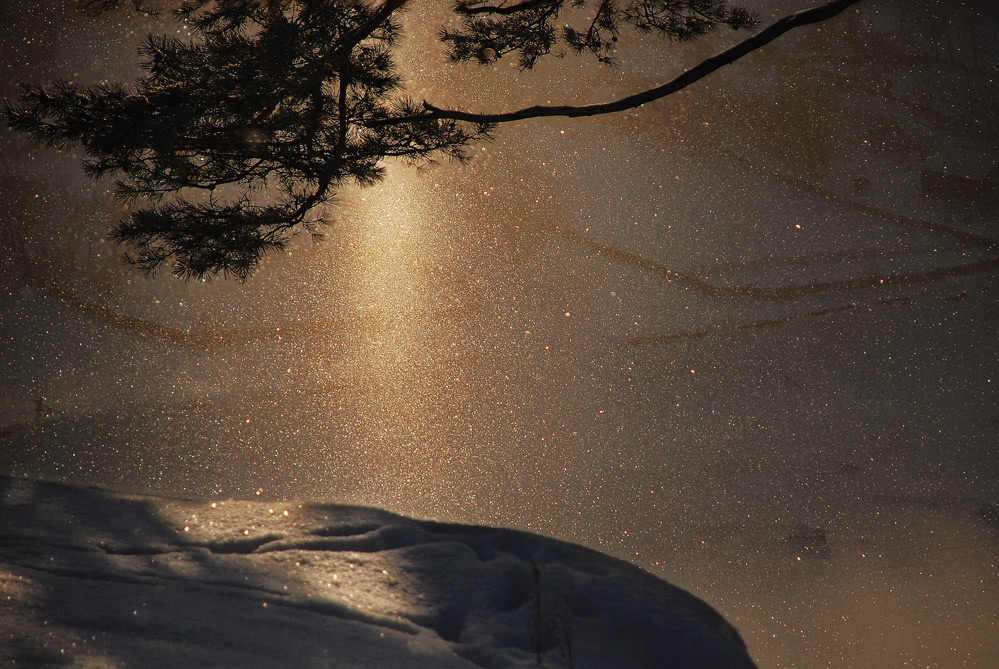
x=960, y=236
x=814, y=313
x=659, y=340
x=806, y=259
x=779, y=292
x=203, y=338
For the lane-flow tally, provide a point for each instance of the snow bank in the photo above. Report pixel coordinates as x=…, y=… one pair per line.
x=93, y=578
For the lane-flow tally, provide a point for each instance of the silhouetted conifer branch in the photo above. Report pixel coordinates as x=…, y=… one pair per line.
x=234, y=141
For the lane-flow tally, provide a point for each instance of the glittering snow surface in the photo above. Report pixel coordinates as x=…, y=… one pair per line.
x=92, y=578
x=736, y=337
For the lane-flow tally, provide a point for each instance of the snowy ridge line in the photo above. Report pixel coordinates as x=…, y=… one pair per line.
x=373, y=542
x=237, y=546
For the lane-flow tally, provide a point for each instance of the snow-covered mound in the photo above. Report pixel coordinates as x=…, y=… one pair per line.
x=93, y=578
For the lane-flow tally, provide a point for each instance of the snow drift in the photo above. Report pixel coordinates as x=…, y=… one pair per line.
x=95, y=578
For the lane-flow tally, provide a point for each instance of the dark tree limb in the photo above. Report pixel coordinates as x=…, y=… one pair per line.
x=472, y=8
x=716, y=62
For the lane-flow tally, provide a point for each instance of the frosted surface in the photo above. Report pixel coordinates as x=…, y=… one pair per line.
x=729, y=337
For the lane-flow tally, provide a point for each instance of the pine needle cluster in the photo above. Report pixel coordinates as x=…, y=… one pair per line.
x=528, y=28
x=233, y=141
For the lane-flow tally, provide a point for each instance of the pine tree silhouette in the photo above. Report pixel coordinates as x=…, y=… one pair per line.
x=236, y=138
x=232, y=142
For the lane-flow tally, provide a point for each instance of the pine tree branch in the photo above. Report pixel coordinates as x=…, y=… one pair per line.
x=342, y=53
x=471, y=8
x=359, y=34
x=798, y=19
